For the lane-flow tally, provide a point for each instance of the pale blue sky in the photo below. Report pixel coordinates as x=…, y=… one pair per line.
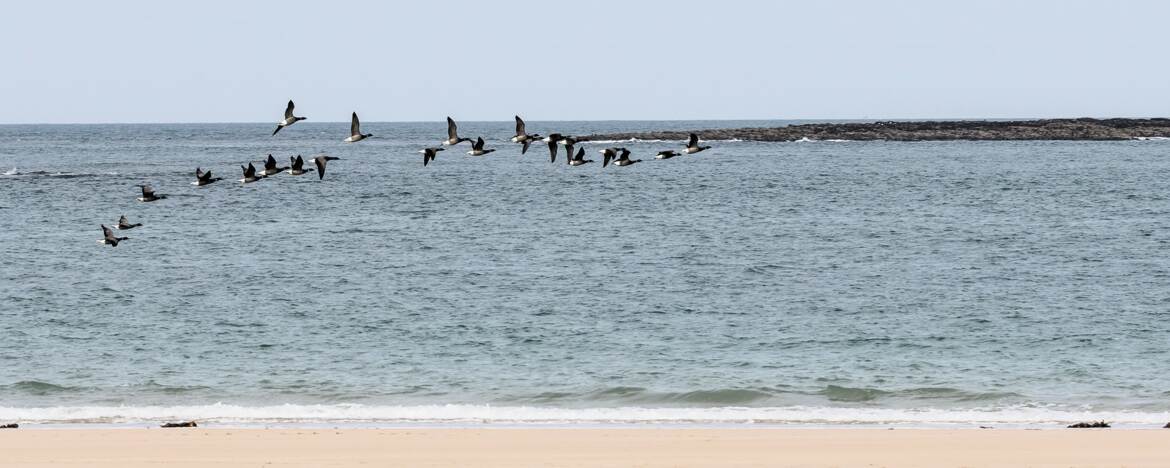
x=236, y=61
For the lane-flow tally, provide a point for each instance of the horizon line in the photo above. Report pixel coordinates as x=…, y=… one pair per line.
x=834, y=119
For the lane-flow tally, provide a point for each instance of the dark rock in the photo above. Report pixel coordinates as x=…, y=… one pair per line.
x=1050, y=129
x=9, y=426
x=1090, y=425
x=181, y=424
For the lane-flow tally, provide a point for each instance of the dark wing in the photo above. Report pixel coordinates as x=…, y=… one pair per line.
x=625, y=153
x=320, y=161
x=694, y=141
x=270, y=163
x=355, y=128
x=519, y=125
x=198, y=173
x=478, y=144
x=525, y=148
x=250, y=171
x=123, y=221
x=605, y=157
x=569, y=150
x=581, y=154
x=552, y=151
x=452, y=131
x=147, y=191
x=288, y=111
x=206, y=176
x=106, y=232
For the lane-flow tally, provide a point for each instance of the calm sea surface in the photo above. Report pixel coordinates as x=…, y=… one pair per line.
x=810, y=282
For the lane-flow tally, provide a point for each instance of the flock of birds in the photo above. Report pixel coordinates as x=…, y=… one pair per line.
x=617, y=156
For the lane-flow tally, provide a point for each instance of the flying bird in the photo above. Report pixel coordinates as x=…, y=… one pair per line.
x=477, y=148
x=204, y=178
x=289, y=118
x=453, y=134
x=693, y=145
x=355, y=131
x=523, y=137
x=124, y=224
x=553, y=139
x=109, y=238
x=624, y=159
x=321, y=161
x=607, y=155
x=148, y=194
x=297, y=165
x=429, y=154
x=270, y=168
x=250, y=174
x=666, y=154
x=579, y=159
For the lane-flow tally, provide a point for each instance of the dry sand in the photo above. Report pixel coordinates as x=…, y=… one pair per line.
x=644, y=447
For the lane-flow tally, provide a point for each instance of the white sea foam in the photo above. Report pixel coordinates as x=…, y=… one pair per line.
x=1021, y=416
x=1152, y=138
x=830, y=140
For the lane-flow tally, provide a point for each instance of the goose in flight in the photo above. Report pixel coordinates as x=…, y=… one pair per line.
x=453, y=134
x=250, y=174
x=297, y=165
x=289, y=118
x=477, y=148
x=355, y=131
x=321, y=161
x=579, y=159
x=270, y=168
x=553, y=139
x=607, y=155
x=124, y=224
x=109, y=238
x=666, y=154
x=148, y=194
x=693, y=145
x=429, y=154
x=624, y=159
x=203, y=178
x=523, y=137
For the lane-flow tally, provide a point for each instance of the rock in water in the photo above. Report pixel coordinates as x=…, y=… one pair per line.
x=1090, y=425
x=9, y=426
x=181, y=424
x=972, y=130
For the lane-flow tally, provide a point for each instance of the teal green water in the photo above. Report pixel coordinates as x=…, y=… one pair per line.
x=811, y=282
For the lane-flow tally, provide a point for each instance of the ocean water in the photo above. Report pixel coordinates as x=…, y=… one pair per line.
x=805, y=283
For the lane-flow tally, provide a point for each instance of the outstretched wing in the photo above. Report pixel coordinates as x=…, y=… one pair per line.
x=147, y=191
x=478, y=144
x=288, y=111
x=106, y=232
x=552, y=151
x=525, y=148
x=519, y=125
x=355, y=127
x=320, y=162
x=452, y=130
x=270, y=163
x=694, y=141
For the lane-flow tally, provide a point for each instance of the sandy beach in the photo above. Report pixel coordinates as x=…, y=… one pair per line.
x=128, y=448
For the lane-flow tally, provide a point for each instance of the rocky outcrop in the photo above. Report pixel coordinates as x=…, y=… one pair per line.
x=1052, y=129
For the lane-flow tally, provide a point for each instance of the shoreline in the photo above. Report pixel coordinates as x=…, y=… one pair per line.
x=1082, y=129
x=581, y=447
